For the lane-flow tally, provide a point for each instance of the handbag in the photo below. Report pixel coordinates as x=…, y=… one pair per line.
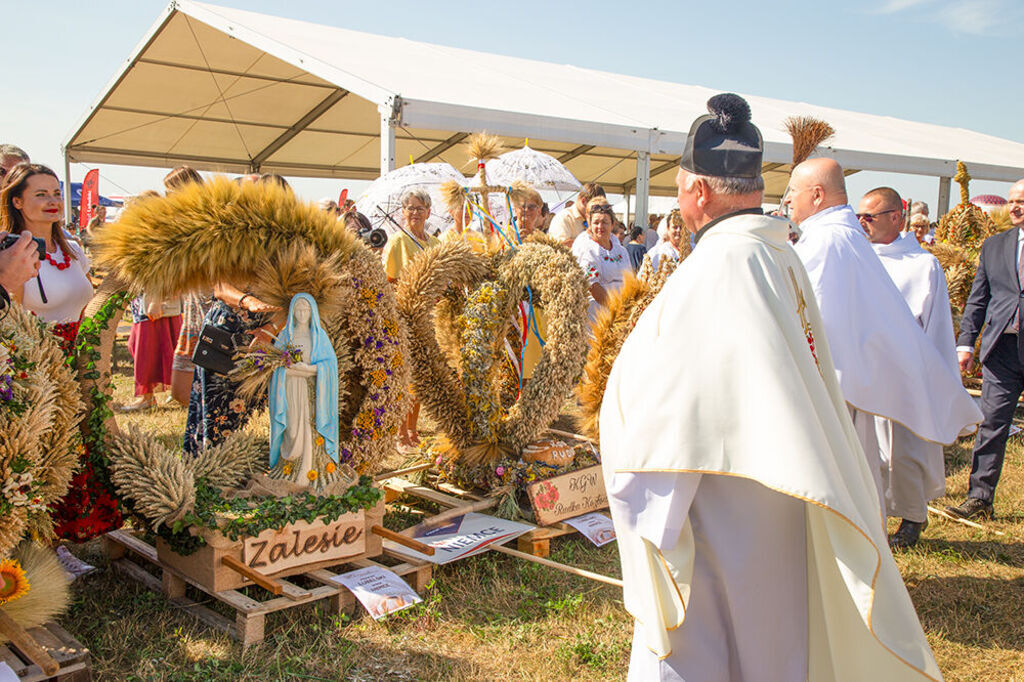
x=215, y=349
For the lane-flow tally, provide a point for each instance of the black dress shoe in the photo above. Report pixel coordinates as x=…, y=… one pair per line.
x=971, y=508
x=907, y=535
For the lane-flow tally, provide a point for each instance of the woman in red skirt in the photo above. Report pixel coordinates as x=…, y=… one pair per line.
x=151, y=342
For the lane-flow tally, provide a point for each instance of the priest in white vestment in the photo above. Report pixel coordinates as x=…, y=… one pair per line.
x=886, y=365
x=746, y=517
x=913, y=470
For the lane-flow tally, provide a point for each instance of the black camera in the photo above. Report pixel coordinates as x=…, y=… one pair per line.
x=11, y=239
x=375, y=237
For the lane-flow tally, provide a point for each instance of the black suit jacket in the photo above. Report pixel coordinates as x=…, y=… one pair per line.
x=995, y=295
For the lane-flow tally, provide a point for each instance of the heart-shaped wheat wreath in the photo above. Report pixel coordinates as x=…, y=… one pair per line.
x=461, y=384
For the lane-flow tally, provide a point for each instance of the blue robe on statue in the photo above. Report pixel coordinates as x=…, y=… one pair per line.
x=325, y=361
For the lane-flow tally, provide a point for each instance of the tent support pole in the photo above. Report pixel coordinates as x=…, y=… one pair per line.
x=643, y=185
x=943, y=207
x=625, y=218
x=67, y=188
x=388, y=117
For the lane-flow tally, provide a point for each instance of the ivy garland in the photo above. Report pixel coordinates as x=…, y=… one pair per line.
x=87, y=354
x=248, y=517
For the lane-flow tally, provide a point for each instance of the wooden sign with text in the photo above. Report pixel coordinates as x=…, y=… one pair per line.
x=568, y=495
x=301, y=543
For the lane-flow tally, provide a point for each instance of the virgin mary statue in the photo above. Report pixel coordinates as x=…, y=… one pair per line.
x=297, y=428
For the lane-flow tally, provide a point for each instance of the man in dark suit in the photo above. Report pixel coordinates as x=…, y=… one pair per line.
x=996, y=300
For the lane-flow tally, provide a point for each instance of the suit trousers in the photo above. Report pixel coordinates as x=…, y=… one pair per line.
x=1002, y=376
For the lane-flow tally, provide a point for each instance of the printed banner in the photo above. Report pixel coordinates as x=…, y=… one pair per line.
x=463, y=536
x=90, y=197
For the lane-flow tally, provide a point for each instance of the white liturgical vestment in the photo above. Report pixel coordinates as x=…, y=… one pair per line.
x=886, y=365
x=746, y=516
x=913, y=470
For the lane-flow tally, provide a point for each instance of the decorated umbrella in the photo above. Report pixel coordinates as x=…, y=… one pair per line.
x=541, y=170
x=381, y=202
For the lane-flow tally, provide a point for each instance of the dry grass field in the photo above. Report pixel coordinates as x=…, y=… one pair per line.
x=494, y=617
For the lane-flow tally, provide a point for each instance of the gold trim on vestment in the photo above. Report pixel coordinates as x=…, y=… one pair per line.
x=878, y=554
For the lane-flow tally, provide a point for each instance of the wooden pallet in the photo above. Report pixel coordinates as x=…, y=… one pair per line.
x=73, y=658
x=250, y=614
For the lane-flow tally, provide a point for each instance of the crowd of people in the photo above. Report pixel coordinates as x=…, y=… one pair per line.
x=828, y=382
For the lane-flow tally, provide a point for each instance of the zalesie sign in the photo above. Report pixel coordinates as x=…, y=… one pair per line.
x=568, y=495
x=303, y=543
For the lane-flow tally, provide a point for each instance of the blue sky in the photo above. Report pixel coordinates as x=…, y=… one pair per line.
x=939, y=61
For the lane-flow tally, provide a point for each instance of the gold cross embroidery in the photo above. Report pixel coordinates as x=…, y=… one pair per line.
x=801, y=310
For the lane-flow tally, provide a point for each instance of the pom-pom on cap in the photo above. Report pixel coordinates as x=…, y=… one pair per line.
x=724, y=143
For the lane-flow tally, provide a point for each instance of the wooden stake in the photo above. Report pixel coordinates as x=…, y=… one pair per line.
x=554, y=564
x=576, y=436
x=403, y=540
x=263, y=581
x=27, y=644
x=455, y=512
x=401, y=472
x=966, y=522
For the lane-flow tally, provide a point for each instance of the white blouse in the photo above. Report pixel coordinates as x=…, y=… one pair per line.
x=67, y=291
x=607, y=267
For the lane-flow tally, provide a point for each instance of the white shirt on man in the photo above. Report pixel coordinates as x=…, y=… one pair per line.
x=567, y=224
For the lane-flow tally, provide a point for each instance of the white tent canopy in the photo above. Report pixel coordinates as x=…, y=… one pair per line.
x=233, y=91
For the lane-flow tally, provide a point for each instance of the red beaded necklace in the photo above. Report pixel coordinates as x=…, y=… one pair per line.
x=60, y=266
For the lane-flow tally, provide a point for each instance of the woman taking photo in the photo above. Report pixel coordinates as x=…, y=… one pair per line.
x=31, y=201
x=604, y=260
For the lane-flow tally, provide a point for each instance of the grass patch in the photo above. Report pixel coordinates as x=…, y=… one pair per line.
x=493, y=617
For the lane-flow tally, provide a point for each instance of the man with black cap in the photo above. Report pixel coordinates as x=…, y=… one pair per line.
x=748, y=526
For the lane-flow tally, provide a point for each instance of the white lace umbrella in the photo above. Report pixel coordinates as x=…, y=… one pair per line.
x=527, y=165
x=381, y=202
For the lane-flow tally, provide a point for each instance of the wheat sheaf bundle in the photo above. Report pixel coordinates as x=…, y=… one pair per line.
x=484, y=147
x=161, y=486
x=958, y=239
x=613, y=325
x=48, y=593
x=215, y=232
x=39, y=445
x=807, y=133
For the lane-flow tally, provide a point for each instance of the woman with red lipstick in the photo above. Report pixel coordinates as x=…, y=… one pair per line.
x=31, y=201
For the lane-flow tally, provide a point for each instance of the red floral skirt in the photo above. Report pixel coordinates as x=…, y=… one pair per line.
x=88, y=509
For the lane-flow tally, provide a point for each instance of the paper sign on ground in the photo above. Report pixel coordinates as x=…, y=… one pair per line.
x=563, y=497
x=462, y=537
x=379, y=590
x=595, y=527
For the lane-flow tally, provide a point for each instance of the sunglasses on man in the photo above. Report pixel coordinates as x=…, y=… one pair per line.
x=871, y=217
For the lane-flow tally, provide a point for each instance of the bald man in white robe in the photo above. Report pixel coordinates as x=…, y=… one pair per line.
x=887, y=366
